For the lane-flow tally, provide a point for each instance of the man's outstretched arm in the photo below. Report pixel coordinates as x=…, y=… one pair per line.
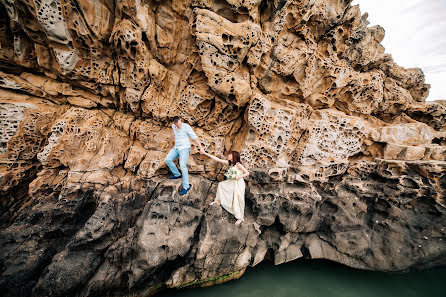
x=197, y=141
x=194, y=137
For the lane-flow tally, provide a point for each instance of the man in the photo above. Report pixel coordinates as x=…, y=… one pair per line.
x=182, y=132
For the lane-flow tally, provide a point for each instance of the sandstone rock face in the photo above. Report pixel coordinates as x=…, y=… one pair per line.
x=347, y=160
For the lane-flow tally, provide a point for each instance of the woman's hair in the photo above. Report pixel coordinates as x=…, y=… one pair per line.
x=235, y=157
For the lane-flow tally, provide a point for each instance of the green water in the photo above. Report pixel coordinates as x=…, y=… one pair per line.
x=327, y=279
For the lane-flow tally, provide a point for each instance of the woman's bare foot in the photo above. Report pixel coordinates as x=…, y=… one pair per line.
x=214, y=202
x=239, y=221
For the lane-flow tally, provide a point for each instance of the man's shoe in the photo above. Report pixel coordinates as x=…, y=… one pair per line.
x=184, y=191
x=175, y=177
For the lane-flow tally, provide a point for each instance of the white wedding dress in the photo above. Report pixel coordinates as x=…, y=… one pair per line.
x=231, y=194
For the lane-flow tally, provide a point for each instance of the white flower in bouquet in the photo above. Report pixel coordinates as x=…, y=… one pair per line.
x=231, y=173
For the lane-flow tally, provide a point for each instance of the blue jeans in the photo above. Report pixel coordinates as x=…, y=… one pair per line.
x=184, y=155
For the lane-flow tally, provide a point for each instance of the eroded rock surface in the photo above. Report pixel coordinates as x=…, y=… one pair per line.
x=347, y=160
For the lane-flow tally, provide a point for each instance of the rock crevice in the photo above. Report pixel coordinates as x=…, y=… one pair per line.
x=347, y=160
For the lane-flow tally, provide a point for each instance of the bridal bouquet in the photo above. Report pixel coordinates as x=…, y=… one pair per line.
x=231, y=173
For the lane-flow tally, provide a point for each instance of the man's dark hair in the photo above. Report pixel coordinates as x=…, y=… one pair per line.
x=176, y=119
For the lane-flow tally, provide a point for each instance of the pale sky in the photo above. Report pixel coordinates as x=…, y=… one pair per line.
x=415, y=36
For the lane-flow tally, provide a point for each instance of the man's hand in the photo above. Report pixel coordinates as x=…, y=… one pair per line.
x=199, y=146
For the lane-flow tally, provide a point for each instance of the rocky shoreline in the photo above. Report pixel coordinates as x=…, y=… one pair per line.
x=347, y=160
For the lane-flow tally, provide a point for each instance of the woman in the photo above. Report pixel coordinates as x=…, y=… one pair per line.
x=231, y=192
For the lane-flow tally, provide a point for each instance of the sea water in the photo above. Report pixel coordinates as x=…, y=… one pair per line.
x=323, y=279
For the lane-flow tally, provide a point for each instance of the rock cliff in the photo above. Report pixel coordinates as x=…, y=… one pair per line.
x=347, y=159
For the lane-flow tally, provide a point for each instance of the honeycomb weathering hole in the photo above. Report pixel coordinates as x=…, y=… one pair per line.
x=11, y=115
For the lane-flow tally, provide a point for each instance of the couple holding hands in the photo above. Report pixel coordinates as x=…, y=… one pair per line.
x=230, y=192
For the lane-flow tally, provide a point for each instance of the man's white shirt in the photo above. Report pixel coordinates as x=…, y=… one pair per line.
x=182, y=136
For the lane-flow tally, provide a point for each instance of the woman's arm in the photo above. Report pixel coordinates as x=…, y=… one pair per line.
x=242, y=168
x=216, y=159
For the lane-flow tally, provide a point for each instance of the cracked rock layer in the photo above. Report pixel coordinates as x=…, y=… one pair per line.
x=347, y=159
